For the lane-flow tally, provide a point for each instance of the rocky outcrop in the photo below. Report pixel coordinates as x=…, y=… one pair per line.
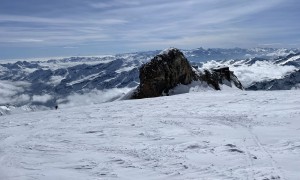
x=163, y=73
x=219, y=76
x=170, y=68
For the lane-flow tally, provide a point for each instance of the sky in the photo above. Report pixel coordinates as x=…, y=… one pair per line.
x=49, y=28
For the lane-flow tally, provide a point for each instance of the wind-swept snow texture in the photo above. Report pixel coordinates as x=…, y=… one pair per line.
x=207, y=135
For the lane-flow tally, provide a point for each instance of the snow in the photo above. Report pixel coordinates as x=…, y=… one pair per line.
x=290, y=59
x=257, y=72
x=129, y=68
x=280, y=52
x=199, y=86
x=195, y=86
x=55, y=80
x=199, y=135
x=166, y=51
x=89, y=77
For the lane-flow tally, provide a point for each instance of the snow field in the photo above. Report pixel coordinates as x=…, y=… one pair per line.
x=200, y=135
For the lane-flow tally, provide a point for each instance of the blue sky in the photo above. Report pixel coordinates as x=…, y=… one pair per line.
x=47, y=28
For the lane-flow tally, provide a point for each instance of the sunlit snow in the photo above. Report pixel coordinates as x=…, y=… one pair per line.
x=200, y=135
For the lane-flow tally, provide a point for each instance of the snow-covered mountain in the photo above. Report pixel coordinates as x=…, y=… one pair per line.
x=47, y=82
x=203, y=134
x=257, y=70
x=201, y=54
x=290, y=81
x=80, y=80
x=291, y=59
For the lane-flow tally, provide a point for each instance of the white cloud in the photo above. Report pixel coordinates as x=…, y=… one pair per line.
x=11, y=92
x=42, y=98
x=122, y=24
x=70, y=47
x=114, y=3
x=24, y=40
x=59, y=21
x=96, y=96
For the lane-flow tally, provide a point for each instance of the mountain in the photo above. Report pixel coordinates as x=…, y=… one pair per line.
x=291, y=59
x=59, y=79
x=30, y=84
x=290, y=81
x=287, y=81
x=200, y=54
x=256, y=73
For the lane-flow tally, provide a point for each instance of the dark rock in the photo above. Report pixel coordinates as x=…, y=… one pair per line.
x=236, y=150
x=170, y=68
x=230, y=145
x=219, y=75
x=162, y=73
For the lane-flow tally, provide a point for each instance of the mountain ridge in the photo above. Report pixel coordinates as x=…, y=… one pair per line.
x=34, y=82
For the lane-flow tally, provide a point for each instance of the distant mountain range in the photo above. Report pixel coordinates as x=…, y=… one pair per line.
x=201, y=54
x=49, y=82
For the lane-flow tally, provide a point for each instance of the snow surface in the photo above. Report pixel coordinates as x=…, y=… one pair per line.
x=203, y=135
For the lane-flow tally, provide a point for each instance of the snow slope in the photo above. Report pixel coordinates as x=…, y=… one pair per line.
x=203, y=135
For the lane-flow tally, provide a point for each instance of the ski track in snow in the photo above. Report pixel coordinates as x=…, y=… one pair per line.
x=203, y=135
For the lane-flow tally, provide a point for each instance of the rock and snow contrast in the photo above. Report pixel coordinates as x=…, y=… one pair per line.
x=31, y=85
x=170, y=68
x=214, y=128
x=203, y=135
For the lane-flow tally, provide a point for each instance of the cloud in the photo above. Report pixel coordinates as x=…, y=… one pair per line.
x=95, y=97
x=120, y=24
x=70, y=47
x=24, y=40
x=113, y=4
x=42, y=98
x=12, y=92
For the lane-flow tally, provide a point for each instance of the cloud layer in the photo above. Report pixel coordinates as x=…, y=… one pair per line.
x=11, y=93
x=43, y=28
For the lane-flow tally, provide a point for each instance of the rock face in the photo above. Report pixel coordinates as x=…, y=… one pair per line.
x=170, y=68
x=219, y=75
x=163, y=73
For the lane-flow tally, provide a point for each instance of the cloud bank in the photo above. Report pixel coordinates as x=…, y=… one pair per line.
x=12, y=92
